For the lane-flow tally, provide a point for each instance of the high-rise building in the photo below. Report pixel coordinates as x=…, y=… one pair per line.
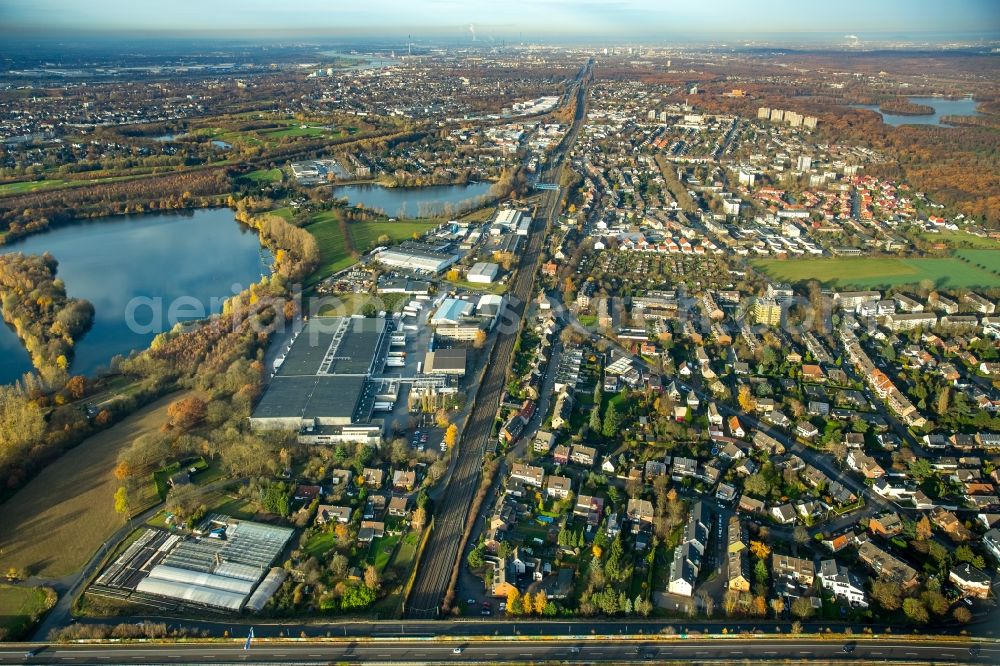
x=766, y=311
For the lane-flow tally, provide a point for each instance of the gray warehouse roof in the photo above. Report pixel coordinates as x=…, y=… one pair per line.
x=323, y=374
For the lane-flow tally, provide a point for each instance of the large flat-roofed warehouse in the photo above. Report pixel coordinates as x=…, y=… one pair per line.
x=228, y=567
x=323, y=378
x=446, y=362
x=484, y=273
x=422, y=257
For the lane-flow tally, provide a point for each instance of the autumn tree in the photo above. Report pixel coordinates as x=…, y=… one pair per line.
x=746, y=399
x=760, y=550
x=187, y=412
x=514, y=601
x=802, y=608
x=451, y=436
x=887, y=593
x=915, y=610
x=122, y=506
x=540, y=602
x=419, y=518
x=923, y=529
x=372, y=577
x=22, y=424
x=76, y=387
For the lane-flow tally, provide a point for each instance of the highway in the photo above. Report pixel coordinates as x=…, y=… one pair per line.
x=444, y=545
x=578, y=650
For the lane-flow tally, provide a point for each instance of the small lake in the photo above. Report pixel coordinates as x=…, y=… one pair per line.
x=167, y=138
x=942, y=107
x=414, y=202
x=110, y=261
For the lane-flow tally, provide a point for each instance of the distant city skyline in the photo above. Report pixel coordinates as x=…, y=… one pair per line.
x=488, y=21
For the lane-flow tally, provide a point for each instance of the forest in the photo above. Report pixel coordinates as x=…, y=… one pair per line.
x=45, y=319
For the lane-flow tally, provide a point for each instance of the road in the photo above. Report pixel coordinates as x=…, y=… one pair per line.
x=589, y=649
x=443, y=548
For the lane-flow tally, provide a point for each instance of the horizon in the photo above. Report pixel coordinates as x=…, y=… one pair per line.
x=852, y=23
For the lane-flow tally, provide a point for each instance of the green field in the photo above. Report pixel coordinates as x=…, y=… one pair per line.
x=989, y=260
x=21, y=607
x=336, y=250
x=297, y=131
x=263, y=176
x=961, y=238
x=873, y=272
x=23, y=186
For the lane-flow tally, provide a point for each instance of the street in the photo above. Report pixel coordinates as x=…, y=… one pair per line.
x=593, y=649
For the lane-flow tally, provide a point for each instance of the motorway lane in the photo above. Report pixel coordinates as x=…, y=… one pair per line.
x=590, y=650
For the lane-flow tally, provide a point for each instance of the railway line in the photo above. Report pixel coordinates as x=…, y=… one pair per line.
x=444, y=547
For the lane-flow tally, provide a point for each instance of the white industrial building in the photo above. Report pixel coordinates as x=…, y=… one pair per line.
x=417, y=256
x=483, y=273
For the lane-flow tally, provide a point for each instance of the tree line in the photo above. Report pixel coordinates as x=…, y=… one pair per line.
x=35, y=304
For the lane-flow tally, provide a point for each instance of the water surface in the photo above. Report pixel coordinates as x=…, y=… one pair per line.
x=414, y=201
x=942, y=107
x=159, y=257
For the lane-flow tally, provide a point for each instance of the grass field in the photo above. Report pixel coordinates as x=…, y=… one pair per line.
x=961, y=238
x=54, y=524
x=263, y=176
x=30, y=186
x=21, y=607
x=335, y=249
x=872, y=272
x=988, y=259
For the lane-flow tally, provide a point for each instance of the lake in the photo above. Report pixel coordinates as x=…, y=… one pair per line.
x=942, y=107
x=111, y=260
x=414, y=202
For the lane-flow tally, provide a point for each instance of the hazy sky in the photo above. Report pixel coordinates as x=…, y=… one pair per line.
x=505, y=18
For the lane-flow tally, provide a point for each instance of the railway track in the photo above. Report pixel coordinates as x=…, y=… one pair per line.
x=445, y=544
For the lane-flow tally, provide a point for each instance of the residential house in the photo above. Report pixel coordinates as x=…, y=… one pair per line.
x=971, y=581
x=844, y=585
x=373, y=478
x=543, y=442
x=949, y=523
x=886, y=524
x=558, y=487
x=399, y=506
x=793, y=576
x=404, y=480
x=640, y=513
x=886, y=565
x=370, y=530
x=328, y=513
x=589, y=507
x=529, y=474
x=735, y=428
x=783, y=514
x=687, y=559
x=583, y=455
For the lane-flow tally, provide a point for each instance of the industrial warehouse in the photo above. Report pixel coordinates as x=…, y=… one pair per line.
x=323, y=377
x=224, y=565
x=420, y=257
